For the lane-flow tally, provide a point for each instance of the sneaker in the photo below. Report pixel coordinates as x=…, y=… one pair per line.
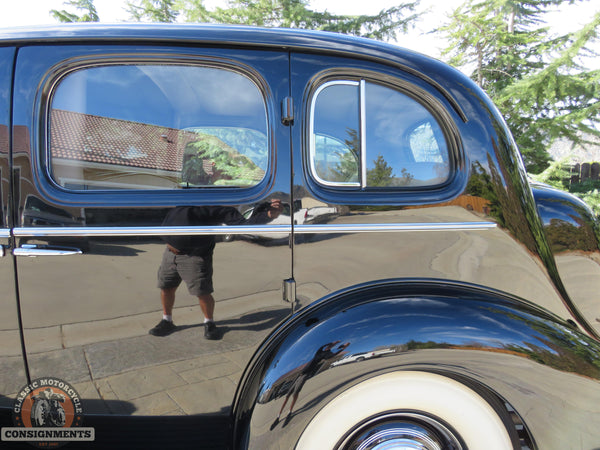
x=163, y=328
x=210, y=331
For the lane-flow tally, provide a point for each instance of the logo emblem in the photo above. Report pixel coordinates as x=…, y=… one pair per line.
x=47, y=413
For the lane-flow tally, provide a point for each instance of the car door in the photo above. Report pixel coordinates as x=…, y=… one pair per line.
x=381, y=162
x=12, y=368
x=114, y=138
x=385, y=181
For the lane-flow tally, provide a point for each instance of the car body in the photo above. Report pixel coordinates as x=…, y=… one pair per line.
x=421, y=241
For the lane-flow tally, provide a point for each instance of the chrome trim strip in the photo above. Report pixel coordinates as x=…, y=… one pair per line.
x=363, y=133
x=254, y=229
x=392, y=227
x=33, y=252
x=150, y=231
x=4, y=233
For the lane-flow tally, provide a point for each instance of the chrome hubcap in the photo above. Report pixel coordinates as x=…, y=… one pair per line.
x=402, y=431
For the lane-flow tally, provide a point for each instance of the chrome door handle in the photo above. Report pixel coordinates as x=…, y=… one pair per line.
x=44, y=250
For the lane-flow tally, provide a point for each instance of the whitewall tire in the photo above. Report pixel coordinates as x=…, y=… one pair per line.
x=470, y=419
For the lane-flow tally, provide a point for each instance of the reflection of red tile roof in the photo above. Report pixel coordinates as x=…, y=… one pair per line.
x=4, y=139
x=20, y=139
x=85, y=137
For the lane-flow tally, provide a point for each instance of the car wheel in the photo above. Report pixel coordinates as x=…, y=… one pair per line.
x=416, y=410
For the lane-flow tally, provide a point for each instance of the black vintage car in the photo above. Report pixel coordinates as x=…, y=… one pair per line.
x=475, y=294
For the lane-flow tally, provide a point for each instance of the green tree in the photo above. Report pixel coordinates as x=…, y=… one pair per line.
x=153, y=11
x=279, y=13
x=91, y=15
x=535, y=79
x=381, y=174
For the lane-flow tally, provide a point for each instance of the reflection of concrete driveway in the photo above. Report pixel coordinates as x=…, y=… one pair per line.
x=178, y=374
x=133, y=282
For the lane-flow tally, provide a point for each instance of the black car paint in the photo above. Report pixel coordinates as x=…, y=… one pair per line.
x=485, y=163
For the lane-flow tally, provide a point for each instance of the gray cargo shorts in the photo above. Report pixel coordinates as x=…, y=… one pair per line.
x=196, y=271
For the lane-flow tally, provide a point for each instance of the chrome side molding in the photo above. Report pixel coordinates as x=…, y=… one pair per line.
x=254, y=229
x=392, y=227
x=33, y=250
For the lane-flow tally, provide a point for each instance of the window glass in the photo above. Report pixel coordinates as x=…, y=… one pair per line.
x=403, y=145
x=157, y=127
x=335, y=156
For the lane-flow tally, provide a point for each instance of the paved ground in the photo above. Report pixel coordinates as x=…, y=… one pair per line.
x=139, y=374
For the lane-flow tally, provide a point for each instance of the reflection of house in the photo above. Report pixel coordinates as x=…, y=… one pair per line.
x=91, y=152
x=4, y=172
x=3, y=139
x=116, y=153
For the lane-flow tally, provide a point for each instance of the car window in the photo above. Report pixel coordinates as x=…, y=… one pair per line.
x=335, y=155
x=372, y=135
x=157, y=127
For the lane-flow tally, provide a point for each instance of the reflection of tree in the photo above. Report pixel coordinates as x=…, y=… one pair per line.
x=353, y=143
x=516, y=198
x=248, y=142
x=557, y=346
x=507, y=201
x=209, y=160
x=416, y=345
x=480, y=185
x=564, y=235
x=561, y=348
x=381, y=174
x=347, y=168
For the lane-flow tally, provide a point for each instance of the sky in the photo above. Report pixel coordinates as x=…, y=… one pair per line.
x=37, y=12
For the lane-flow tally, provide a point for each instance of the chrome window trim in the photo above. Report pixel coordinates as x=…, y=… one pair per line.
x=149, y=59
x=363, y=133
x=311, y=132
x=255, y=229
x=417, y=95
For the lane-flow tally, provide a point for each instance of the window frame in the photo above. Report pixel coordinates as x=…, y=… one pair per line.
x=363, y=194
x=312, y=144
x=118, y=56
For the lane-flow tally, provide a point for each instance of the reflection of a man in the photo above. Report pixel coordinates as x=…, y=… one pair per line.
x=189, y=258
x=322, y=355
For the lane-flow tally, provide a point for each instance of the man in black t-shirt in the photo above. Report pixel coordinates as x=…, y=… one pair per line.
x=188, y=258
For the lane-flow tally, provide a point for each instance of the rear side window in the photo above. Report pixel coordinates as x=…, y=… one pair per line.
x=157, y=126
x=369, y=135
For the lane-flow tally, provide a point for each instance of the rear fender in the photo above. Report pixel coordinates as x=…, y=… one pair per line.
x=500, y=346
